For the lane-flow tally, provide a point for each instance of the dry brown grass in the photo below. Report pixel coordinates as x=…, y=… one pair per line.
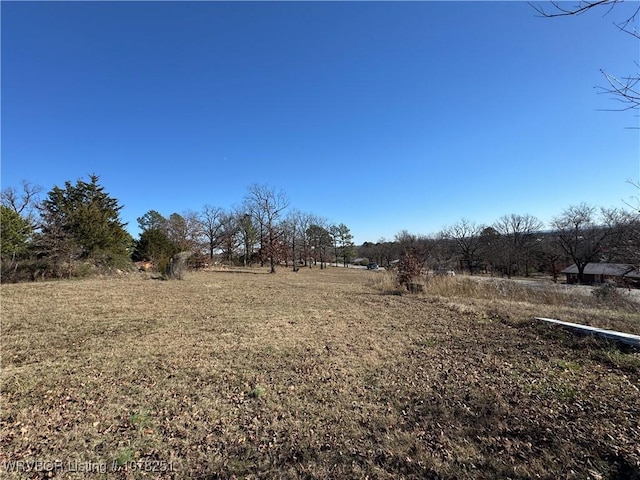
x=315, y=374
x=536, y=299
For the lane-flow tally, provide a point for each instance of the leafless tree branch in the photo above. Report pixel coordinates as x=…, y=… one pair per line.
x=627, y=26
x=635, y=200
x=557, y=10
x=23, y=203
x=623, y=89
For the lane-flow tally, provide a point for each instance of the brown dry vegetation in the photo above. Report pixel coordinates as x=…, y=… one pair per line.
x=315, y=374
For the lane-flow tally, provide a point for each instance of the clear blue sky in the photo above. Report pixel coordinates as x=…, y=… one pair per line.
x=382, y=116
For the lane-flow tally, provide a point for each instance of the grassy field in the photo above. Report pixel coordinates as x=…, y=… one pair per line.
x=315, y=374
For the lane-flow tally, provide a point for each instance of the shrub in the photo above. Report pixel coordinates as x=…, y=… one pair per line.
x=409, y=268
x=605, y=292
x=611, y=296
x=177, y=265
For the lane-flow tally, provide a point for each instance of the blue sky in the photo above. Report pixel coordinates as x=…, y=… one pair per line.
x=380, y=115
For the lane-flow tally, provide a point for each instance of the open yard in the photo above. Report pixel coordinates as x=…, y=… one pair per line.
x=315, y=374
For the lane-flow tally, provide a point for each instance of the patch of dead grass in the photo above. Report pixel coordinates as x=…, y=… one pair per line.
x=311, y=374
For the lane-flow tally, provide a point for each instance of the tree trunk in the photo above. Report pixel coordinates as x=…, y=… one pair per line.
x=293, y=253
x=581, y=267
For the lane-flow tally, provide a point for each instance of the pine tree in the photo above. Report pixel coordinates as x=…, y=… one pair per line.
x=82, y=222
x=16, y=233
x=154, y=243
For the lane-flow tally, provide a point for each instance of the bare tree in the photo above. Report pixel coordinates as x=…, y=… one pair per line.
x=405, y=239
x=185, y=230
x=552, y=256
x=490, y=250
x=229, y=235
x=319, y=240
x=633, y=242
x=267, y=207
x=517, y=238
x=634, y=201
x=23, y=202
x=210, y=220
x=634, y=230
x=588, y=237
x=419, y=247
x=295, y=225
x=466, y=235
x=305, y=221
x=624, y=89
x=334, y=235
x=389, y=251
x=445, y=255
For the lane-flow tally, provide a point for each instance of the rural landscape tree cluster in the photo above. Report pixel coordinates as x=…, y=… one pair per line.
x=77, y=230
x=520, y=244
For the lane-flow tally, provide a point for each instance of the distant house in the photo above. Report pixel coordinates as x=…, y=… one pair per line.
x=596, y=273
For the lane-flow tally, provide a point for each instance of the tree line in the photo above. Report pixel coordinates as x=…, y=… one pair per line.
x=519, y=244
x=76, y=230
x=262, y=230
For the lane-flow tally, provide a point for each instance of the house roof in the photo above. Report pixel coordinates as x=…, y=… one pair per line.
x=608, y=269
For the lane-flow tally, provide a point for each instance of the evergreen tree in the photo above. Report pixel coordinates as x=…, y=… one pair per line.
x=82, y=222
x=154, y=243
x=16, y=233
x=152, y=220
x=345, y=243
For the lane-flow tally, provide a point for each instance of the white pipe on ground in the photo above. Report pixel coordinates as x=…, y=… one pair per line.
x=610, y=334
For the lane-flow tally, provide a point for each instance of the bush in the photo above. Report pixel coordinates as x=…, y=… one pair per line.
x=177, y=265
x=409, y=268
x=611, y=296
x=22, y=270
x=38, y=269
x=604, y=291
